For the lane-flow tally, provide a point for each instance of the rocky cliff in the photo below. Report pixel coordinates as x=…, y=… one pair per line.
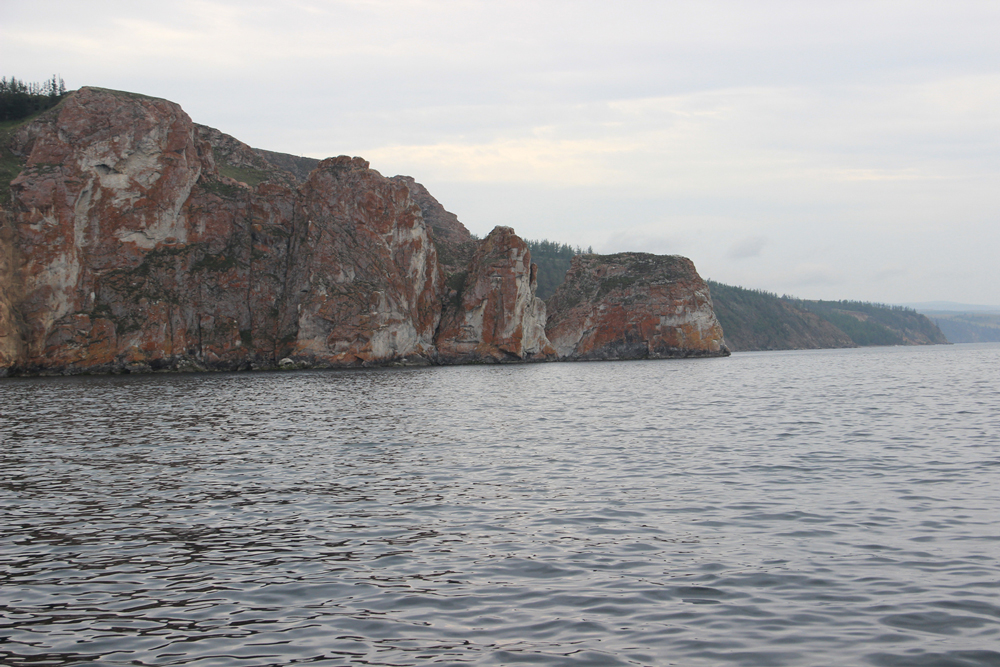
x=136, y=240
x=493, y=314
x=633, y=306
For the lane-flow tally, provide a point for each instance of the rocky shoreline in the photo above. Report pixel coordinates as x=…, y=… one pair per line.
x=138, y=241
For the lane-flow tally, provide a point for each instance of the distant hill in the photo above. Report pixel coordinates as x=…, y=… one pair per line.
x=759, y=320
x=963, y=322
x=968, y=327
x=929, y=307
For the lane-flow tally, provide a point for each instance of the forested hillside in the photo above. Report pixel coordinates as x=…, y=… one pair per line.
x=758, y=320
x=20, y=99
x=876, y=323
x=553, y=261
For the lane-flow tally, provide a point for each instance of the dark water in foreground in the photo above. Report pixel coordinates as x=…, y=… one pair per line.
x=803, y=508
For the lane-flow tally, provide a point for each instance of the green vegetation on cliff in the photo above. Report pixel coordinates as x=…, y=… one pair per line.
x=20, y=103
x=553, y=261
x=20, y=99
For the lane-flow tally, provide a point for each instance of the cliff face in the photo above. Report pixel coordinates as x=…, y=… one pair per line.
x=366, y=267
x=106, y=182
x=494, y=314
x=11, y=325
x=133, y=252
x=633, y=306
x=136, y=240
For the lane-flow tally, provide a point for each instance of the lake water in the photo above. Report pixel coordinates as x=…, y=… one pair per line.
x=835, y=507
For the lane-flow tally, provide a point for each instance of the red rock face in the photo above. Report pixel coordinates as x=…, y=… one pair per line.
x=106, y=182
x=12, y=341
x=633, y=306
x=493, y=315
x=366, y=268
x=126, y=250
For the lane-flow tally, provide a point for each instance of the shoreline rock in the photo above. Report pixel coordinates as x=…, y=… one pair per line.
x=128, y=248
x=633, y=306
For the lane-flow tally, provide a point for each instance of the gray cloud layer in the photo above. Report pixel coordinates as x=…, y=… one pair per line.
x=861, y=139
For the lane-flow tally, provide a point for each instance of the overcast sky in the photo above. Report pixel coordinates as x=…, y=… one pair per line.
x=822, y=149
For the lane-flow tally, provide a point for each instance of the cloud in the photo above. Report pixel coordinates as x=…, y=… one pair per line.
x=830, y=138
x=890, y=272
x=750, y=246
x=813, y=275
x=529, y=160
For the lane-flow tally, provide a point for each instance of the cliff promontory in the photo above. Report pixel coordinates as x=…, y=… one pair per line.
x=494, y=314
x=633, y=305
x=135, y=240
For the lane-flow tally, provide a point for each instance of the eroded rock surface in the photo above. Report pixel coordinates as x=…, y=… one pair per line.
x=633, y=306
x=238, y=161
x=369, y=274
x=126, y=249
x=136, y=240
x=493, y=313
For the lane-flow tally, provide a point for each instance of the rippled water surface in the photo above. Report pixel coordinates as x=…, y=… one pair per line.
x=801, y=508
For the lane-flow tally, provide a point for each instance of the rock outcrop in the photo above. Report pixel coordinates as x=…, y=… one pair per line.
x=446, y=225
x=455, y=245
x=238, y=161
x=493, y=313
x=132, y=252
x=135, y=240
x=11, y=339
x=633, y=306
x=298, y=166
x=366, y=268
x=106, y=181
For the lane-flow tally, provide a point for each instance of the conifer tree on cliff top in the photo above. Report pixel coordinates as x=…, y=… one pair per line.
x=20, y=99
